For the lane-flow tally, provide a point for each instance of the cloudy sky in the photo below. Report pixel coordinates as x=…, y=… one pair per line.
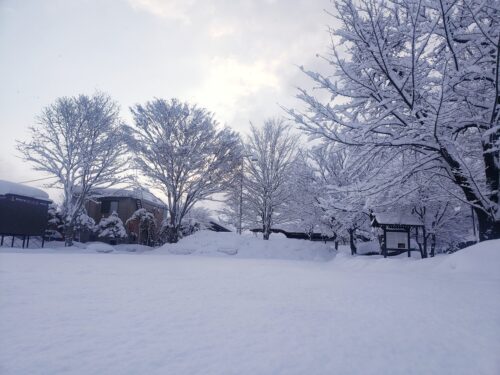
x=238, y=58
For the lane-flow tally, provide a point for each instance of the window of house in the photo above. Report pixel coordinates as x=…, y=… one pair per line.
x=113, y=207
x=107, y=207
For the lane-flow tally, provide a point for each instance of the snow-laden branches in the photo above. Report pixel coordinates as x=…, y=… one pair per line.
x=419, y=77
x=79, y=141
x=180, y=149
x=272, y=150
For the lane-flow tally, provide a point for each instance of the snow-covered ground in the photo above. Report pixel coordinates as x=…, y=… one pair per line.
x=249, y=246
x=81, y=311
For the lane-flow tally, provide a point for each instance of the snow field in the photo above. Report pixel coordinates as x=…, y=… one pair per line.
x=125, y=313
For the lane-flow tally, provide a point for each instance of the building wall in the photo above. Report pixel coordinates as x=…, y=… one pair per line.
x=98, y=208
x=126, y=208
x=23, y=215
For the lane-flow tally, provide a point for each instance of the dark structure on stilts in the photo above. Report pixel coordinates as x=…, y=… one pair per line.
x=23, y=212
x=397, y=230
x=299, y=235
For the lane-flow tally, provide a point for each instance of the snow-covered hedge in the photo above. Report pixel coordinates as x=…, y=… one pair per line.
x=111, y=227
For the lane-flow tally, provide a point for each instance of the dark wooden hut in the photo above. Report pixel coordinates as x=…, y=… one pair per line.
x=299, y=235
x=397, y=229
x=23, y=212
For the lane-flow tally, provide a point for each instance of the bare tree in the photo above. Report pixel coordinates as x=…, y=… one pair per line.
x=79, y=141
x=336, y=170
x=273, y=150
x=418, y=78
x=307, y=187
x=232, y=213
x=181, y=151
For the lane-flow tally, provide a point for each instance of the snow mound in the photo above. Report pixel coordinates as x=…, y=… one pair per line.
x=248, y=246
x=371, y=247
x=482, y=258
x=7, y=187
x=132, y=248
x=100, y=247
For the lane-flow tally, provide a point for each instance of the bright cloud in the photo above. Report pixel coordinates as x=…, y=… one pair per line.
x=229, y=81
x=171, y=9
x=218, y=31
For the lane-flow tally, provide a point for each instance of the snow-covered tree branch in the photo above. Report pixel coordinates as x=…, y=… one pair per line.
x=420, y=79
x=181, y=151
x=79, y=141
x=273, y=150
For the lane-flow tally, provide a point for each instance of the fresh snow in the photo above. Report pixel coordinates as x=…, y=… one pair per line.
x=396, y=218
x=100, y=247
x=77, y=311
x=136, y=193
x=7, y=187
x=249, y=246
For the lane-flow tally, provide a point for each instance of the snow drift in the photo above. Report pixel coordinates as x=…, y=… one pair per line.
x=249, y=246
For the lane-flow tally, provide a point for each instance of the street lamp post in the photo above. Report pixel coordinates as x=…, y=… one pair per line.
x=240, y=213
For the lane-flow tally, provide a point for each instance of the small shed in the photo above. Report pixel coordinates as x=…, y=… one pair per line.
x=23, y=212
x=397, y=228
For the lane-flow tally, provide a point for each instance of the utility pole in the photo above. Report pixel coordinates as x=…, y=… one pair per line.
x=240, y=213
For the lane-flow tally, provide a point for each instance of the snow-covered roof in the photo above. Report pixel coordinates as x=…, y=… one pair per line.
x=291, y=227
x=299, y=226
x=396, y=218
x=7, y=187
x=137, y=193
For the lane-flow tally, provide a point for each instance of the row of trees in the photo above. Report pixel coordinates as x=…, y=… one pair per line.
x=410, y=121
x=179, y=148
x=408, y=113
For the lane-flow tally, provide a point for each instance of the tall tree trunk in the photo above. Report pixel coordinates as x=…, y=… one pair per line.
x=351, y=241
x=489, y=229
x=266, y=231
x=266, y=225
x=433, y=244
x=68, y=234
x=172, y=234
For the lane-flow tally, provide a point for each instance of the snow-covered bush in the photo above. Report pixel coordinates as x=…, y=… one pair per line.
x=146, y=225
x=111, y=228
x=84, y=221
x=165, y=232
x=84, y=224
x=55, y=226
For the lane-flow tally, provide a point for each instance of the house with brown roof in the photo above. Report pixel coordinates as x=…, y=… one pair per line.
x=125, y=202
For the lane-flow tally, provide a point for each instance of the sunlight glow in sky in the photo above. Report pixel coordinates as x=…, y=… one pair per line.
x=237, y=58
